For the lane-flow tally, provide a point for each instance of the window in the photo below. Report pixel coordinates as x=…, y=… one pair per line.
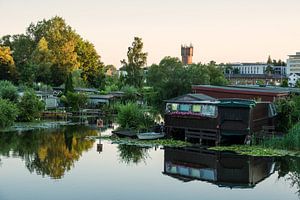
x=196, y=108
x=208, y=110
x=184, y=107
x=174, y=107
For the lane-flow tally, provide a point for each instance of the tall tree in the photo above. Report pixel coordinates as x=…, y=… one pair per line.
x=61, y=41
x=69, y=84
x=91, y=66
x=136, y=59
x=7, y=64
x=168, y=79
x=41, y=60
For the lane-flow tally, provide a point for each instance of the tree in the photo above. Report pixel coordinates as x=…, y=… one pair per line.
x=285, y=83
x=110, y=70
x=269, y=61
x=62, y=41
x=168, y=79
x=90, y=65
x=269, y=70
x=136, y=59
x=50, y=50
x=30, y=107
x=8, y=91
x=8, y=113
x=198, y=74
x=285, y=109
x=7, y=65
x=297, y=85
x=69, y=84
x=41, y=60
x=77, y=79
x=216, y=74
x=22, y=47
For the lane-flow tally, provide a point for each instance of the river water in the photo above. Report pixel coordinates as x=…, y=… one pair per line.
x=64, y=164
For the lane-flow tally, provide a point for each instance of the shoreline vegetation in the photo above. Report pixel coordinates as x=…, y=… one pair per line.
x=51, y=54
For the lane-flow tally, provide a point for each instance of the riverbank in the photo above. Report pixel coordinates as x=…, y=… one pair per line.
x=28, y=126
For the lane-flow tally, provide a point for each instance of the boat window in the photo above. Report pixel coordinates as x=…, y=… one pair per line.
x=208, y=110
x=196, y=108
x=168, y=107
x=272, y=110
x=174, y=107
x=184, y=107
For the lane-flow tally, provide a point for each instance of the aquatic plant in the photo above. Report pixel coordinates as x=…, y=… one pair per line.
x=146, y=143
x=253, y=150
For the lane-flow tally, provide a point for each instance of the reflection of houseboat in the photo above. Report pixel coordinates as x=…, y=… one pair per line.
x=222, y=169
x=205, y=118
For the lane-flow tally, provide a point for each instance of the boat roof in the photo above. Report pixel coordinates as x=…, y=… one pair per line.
x=237, y=103
x=247, y=89
x=193, y=98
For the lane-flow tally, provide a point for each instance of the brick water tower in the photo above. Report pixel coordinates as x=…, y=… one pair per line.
x=187, y=54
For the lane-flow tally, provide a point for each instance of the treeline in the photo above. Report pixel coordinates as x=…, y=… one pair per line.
x=51, y=53
x=47, y=53
x=170, y=78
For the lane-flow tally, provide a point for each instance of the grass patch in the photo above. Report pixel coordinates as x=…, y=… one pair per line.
x=255, y=150
x=146, y=143
x=291, y=141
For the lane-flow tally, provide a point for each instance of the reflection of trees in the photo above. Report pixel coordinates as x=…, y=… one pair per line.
x=132, y=154
x=48, y=152
x=290, y=170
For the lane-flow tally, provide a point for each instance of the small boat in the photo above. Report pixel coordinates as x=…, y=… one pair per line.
x=125, y=133
x=150, y=135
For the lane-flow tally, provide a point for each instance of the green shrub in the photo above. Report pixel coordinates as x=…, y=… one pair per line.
x=8, y=91
x=130, y=93
x=135, y=117
x=8, y=113
x=75, y=101
x=30, y=107
x=291, y=141
x=285, y=109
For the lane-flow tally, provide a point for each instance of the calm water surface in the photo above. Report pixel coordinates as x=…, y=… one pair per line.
x=63, y=164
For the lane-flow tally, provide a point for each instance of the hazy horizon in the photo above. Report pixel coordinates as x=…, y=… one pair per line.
x=220, y=30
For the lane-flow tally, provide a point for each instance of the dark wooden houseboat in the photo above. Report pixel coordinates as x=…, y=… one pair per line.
x=198, y=116
x=220, y=168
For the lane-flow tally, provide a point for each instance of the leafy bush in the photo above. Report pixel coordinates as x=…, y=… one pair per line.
x=291, y=141
x=130, y=93
x=30, y=107
x=133, y=116
x=285, y=109
x=8, y=113
x=75, y=100
x=8, y=91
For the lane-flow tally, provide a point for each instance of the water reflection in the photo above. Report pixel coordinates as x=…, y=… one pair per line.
x=222, y=169
x=131, y=154
x=47, y=152
x=289, y=170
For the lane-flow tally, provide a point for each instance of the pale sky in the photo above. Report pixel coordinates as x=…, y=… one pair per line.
x=220, y=30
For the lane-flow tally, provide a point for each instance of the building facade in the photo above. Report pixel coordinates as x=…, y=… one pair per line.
x=293, y=78
x=293, y=63
x=187, y=54
x=293, y=69
x=255, y=73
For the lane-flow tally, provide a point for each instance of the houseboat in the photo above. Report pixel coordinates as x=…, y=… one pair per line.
x=201, y=117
